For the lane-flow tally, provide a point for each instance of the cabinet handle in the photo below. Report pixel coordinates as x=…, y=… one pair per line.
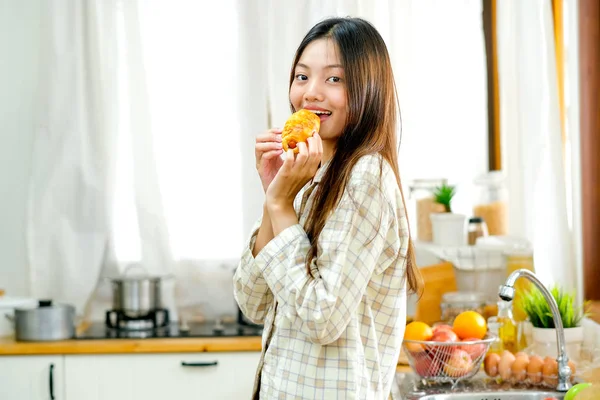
x=51, y=381
x=199, y=364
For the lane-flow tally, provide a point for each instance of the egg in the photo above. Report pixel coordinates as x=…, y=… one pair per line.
x=519, y=367
x=534, y=369
x=504, y=366
x=550, y=371
x=490, y=364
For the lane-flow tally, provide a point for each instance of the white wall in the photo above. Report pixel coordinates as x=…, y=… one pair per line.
x=19, y=50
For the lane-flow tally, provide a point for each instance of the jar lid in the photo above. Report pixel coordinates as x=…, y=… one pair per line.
x=492, y=178
x=475, y=220
x=464, y=297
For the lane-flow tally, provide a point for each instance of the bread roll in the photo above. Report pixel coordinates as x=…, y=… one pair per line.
x=300, y=126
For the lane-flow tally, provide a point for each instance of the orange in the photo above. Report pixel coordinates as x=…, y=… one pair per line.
x=470, y=324
x=417, y=330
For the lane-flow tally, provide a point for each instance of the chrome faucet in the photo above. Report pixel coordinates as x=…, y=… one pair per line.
x=507, y=293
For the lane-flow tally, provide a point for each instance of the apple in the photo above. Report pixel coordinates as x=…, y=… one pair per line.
x=426, y=366
x=443, y=352
x=444, y=336
x=441, y=327
x=459, y=364
x=474, y=350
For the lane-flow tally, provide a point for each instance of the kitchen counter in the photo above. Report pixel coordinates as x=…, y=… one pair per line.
x=8, y=346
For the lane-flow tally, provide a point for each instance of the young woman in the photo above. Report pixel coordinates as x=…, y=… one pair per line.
x=328, y=265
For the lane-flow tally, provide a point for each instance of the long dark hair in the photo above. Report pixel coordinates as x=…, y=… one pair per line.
x=371, y=123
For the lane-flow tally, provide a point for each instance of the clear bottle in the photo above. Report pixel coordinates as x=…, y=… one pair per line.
x=423, y=205
x=492, y=202
x=507, y=330
x=494, y=329
x=522, y=340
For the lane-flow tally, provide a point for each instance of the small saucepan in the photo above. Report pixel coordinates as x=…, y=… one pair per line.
x=136, y=295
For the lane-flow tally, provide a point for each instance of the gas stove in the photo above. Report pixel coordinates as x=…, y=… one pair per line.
x=210, y=329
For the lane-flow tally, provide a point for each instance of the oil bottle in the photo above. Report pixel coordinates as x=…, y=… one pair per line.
x=507, y=327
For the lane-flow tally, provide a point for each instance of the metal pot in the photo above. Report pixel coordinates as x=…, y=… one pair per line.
x=7, y=312
x=47, y=322
x=136, y=295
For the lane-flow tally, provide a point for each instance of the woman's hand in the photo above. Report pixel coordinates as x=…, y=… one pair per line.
x=295, y=173
x=267, y=151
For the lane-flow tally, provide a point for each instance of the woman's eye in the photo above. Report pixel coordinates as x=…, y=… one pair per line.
x=335, y=79
x=301, y=77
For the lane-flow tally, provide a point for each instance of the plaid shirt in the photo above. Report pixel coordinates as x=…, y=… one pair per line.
x=335, y=334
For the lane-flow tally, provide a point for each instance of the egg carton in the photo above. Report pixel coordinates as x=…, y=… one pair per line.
x=518, y=370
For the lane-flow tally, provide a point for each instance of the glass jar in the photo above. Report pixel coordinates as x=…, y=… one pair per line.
x=475, y=229
x=491, y=203
x=423, y=205
x=453, y=303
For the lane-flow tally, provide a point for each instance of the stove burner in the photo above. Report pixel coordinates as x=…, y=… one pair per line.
x=99, y=330
x=117, y=319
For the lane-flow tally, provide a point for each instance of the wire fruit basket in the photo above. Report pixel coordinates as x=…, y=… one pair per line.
x=443, y=362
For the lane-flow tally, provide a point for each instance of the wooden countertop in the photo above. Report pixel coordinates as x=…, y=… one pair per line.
x=8, y=346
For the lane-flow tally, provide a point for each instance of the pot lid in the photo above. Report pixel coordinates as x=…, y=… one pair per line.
x=45, y=304
x=136, y=272
x=17, y=302
x=130, y=278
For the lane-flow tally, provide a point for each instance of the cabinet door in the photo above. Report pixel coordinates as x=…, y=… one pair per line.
x=212, y=376
x=32, y=377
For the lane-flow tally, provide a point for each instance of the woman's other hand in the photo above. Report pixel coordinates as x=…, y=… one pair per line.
x=267, y=151
x=295, y=172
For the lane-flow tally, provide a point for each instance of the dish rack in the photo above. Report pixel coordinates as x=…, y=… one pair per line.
x=447, y=362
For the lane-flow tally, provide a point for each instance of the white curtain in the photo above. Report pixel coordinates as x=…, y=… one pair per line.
x=531, y=134
x=68, y=228
x=137, y=157
x=94, y=121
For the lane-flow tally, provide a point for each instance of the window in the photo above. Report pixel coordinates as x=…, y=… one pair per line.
x=190, y=61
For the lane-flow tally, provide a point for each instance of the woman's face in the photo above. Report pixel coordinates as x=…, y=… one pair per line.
x=319, y=85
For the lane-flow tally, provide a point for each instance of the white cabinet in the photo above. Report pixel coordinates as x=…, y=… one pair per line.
x=32, y=377
x=181, y=376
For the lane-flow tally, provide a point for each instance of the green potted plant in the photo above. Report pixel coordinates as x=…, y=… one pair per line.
x=539, y=314
x=443, y=195
x=448, y=228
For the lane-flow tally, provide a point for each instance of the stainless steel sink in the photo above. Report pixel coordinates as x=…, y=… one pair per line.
x=512, y=395
x=480, y=387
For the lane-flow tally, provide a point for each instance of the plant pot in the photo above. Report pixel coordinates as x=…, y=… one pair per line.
x=544, y=342
x=448, y=229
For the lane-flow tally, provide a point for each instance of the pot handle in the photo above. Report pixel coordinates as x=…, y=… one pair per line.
x=134, y=266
